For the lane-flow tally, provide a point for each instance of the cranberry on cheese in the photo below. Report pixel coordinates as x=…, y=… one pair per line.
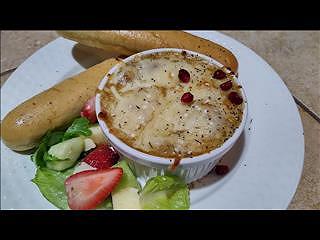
x=171, y=105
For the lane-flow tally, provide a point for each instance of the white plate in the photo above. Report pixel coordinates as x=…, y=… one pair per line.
x=266, y=162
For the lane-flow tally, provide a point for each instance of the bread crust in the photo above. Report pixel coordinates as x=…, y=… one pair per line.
x=23, y=127
x=130, y=42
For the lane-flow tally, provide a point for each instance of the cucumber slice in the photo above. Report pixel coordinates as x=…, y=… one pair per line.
x=97, y=135
x=69, y=149
x=61, y=164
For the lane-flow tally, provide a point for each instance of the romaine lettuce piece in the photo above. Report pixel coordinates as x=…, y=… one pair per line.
x=51, y=185
x=38, y=156
x=165, y=192
x=79, y=127
x=128, y=179
x=52, y=138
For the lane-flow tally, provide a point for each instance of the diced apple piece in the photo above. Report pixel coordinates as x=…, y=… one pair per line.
x=88, y=144
x=82, y=167
x=127, y=198
x=97, y=135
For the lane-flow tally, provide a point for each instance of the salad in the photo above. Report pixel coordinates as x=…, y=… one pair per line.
x=77, y=169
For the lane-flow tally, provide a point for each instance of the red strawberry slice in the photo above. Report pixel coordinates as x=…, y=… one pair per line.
x=87, y=189
x=89, y=111
x=102, y=157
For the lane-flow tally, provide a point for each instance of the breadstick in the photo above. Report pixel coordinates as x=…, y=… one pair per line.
x=23, y=127
x=130, y=42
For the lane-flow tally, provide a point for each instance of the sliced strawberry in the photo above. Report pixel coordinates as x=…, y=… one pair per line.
x=102, y=157
x=89, y=111
x=87, y=189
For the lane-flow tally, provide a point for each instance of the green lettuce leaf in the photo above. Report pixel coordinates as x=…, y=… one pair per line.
x=79, y=127
x=51, y=186
x=48, y=157
x=165, y=192
x=128, y=179
x=37, y=157
x=52, y=138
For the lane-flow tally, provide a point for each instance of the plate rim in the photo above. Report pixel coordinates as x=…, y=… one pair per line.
x=223, y=36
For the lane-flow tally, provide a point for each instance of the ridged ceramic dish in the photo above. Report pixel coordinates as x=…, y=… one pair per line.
x=146, y=165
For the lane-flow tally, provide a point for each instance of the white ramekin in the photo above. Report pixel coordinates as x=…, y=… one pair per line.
x=146, y=165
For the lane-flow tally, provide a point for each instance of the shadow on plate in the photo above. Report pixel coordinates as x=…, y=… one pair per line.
x=89, y=56
x=230, y=159
x=26, y=152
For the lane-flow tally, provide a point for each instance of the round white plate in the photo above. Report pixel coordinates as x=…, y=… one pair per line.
x=266, y=163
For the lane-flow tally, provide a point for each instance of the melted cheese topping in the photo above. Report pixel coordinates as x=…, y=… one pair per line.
x=142, y=105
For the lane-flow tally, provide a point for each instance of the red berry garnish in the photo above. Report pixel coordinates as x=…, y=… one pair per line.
x=187, y=98
x=184, y=75
x=221, y=169
x=219, y=74
x=235, y=98
x=226, y=86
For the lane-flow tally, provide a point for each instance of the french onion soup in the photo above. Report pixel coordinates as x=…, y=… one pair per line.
x=171, y=104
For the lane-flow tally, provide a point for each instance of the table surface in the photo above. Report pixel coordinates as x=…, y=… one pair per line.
x=295, y=55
